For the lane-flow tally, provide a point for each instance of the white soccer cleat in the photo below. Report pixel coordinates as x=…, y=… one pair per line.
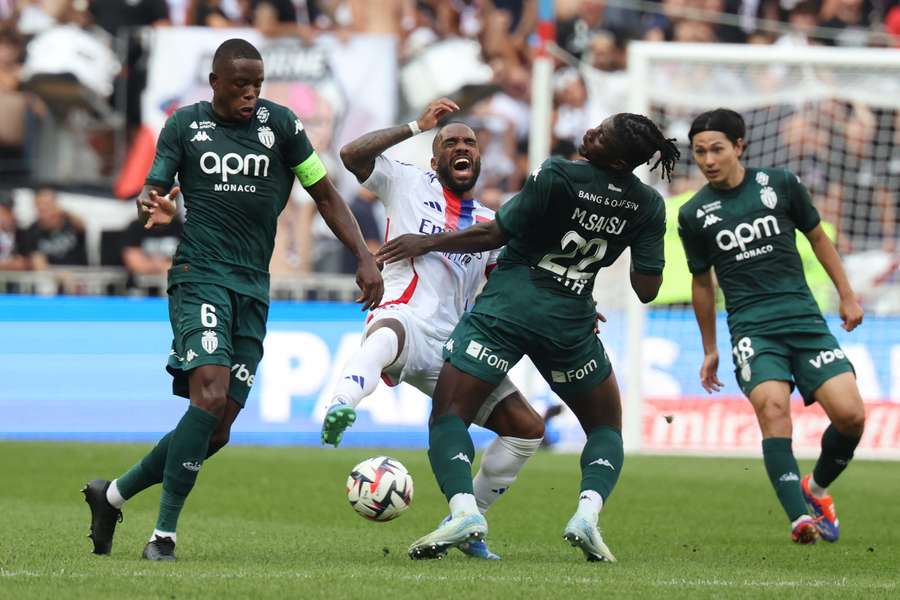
x=585, y=535
x=450, y=534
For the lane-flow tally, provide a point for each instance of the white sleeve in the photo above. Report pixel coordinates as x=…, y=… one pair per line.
x=380, y=182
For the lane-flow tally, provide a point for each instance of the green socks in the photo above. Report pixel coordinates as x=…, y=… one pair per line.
x=188, y=445
x=837, y=450
x=784, y=475
x=147, y=472
x=601, y=460
x=451, y=452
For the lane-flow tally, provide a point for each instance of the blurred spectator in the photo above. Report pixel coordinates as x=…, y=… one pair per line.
x=575, y=34
x=365, y=208
x=13, y=107
x=572, y=113
x=276, y=18
x=693, y=32
x=36, y=16
x=56, y=237
x=150, y=251
x=802, y=20
x=892, y=25
x=497, y=143
x=113, y=15
x=851, y=18
x=212, y=13
x=12, y=257
x=605, y=79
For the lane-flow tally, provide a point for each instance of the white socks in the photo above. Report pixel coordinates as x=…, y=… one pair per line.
x=816, y=489
x=589, y=505
x=463, y=504
x=361, y=373
x=163, y=534
x=500, y=465
x=113, y=496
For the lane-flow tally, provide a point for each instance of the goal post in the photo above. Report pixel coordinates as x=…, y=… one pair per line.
x=831, y=116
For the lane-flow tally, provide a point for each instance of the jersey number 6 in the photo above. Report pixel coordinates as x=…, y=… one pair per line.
x=562, y=263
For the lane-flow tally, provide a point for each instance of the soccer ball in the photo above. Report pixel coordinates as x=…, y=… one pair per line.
x=380, y=488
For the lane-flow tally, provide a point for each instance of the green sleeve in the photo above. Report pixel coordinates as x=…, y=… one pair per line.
x=648, y=253
x=697, y=259
x=298, y=152
x=525, y=211
x=168, y=155
x=800, y=207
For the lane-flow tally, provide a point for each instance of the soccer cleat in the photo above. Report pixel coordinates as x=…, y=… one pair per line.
x=476, y=549
x=823, y=508
x=338, y=418
x=159, y=548
x=804, y=530
x=450, y=534
x=585, y=535
x=104, y=515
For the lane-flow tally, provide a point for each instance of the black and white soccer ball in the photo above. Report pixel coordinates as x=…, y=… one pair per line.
x=380, y=488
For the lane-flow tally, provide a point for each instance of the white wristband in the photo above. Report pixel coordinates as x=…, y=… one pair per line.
x=414, y=127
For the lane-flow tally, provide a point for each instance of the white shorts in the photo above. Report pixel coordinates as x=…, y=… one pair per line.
x=420, y=360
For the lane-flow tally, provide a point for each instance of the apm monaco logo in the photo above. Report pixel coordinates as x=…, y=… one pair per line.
x=262, y=114
x=266, y=136
x=210, y=341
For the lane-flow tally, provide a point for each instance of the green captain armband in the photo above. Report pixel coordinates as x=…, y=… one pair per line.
x=310, y=171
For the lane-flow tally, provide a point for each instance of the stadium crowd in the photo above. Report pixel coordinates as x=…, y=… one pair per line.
x=64, y=115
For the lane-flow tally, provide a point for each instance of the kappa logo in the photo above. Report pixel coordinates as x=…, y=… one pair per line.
x=463, y=458
x=613, y=188
x=266, y=136
x=298, y=126
x=209, y=341
x=192, y=465
x=357, y=379
x=449, y=346
x=191, y=355
x=262, y=114
x=711, y=220
x=762, y=179
x=603, y=463
x=789, y=476
x=826, y=357
x=769, y=197
x=534, y=173
x=201, y=136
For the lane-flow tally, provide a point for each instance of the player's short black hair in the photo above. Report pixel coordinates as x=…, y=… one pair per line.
x=723, y=120
x=435, y=142
x=640, y=139
x=233, y=49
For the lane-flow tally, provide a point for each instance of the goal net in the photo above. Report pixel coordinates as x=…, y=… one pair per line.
x=832, y=116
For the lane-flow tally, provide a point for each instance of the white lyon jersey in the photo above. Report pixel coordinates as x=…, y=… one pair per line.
x=437, y=287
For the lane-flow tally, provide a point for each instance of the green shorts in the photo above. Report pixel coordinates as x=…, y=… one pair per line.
x=212, y=325
x=805, y=360
x=487, y=347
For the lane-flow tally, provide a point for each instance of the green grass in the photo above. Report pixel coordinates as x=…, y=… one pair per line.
x=274, y=523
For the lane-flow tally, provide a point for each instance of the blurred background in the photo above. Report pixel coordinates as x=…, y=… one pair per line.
x=85, y=85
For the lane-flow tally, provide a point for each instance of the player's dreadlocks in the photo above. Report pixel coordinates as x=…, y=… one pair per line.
x=642, y=139
x=233, y=49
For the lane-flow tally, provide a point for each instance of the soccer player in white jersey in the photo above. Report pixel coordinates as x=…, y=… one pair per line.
x=426, y=296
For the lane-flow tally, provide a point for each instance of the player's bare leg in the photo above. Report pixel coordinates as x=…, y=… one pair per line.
x=599, y=411
x=381, y=348
x=840, y=398
x=772, y=402
x=456, y=401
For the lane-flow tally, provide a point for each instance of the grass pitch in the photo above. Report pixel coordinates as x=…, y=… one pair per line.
x=275, y=523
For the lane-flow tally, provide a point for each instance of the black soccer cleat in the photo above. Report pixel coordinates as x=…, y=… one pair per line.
x=104, y=515
x=159, y=548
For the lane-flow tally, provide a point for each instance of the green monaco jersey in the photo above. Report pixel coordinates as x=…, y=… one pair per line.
x=236, y=178
x=748, y=234
x=569, y=220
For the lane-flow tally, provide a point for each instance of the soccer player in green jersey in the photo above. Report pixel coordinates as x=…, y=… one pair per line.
x=236, y=159
x=742, y=225
x=570, y=219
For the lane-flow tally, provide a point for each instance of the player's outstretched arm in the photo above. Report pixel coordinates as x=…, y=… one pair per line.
x=850, y=310
x=360, y=154
x=477, y=238
x=703, y=297
x=155, y=206
x=343, y=224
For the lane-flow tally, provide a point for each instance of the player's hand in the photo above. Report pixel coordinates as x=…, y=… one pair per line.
x=434, y=112
x=403, y=247
x=160, y=210
x=851, y=313
x=369, y=280
x=600, y=319
x=708, y=377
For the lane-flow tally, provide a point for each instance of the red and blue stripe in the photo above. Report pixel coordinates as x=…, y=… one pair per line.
x=458, y=213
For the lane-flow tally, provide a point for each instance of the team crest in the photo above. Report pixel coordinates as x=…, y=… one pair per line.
x=262, y=114
x=266, y=136
x=209, y=341
x=298, y=126
x=762, y=179
x=769, y=197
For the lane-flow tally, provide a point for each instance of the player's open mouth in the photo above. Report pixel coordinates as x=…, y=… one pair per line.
x=462, y=166
x=246, y=111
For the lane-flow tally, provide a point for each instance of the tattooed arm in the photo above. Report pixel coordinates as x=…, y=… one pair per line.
x=360, y=154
